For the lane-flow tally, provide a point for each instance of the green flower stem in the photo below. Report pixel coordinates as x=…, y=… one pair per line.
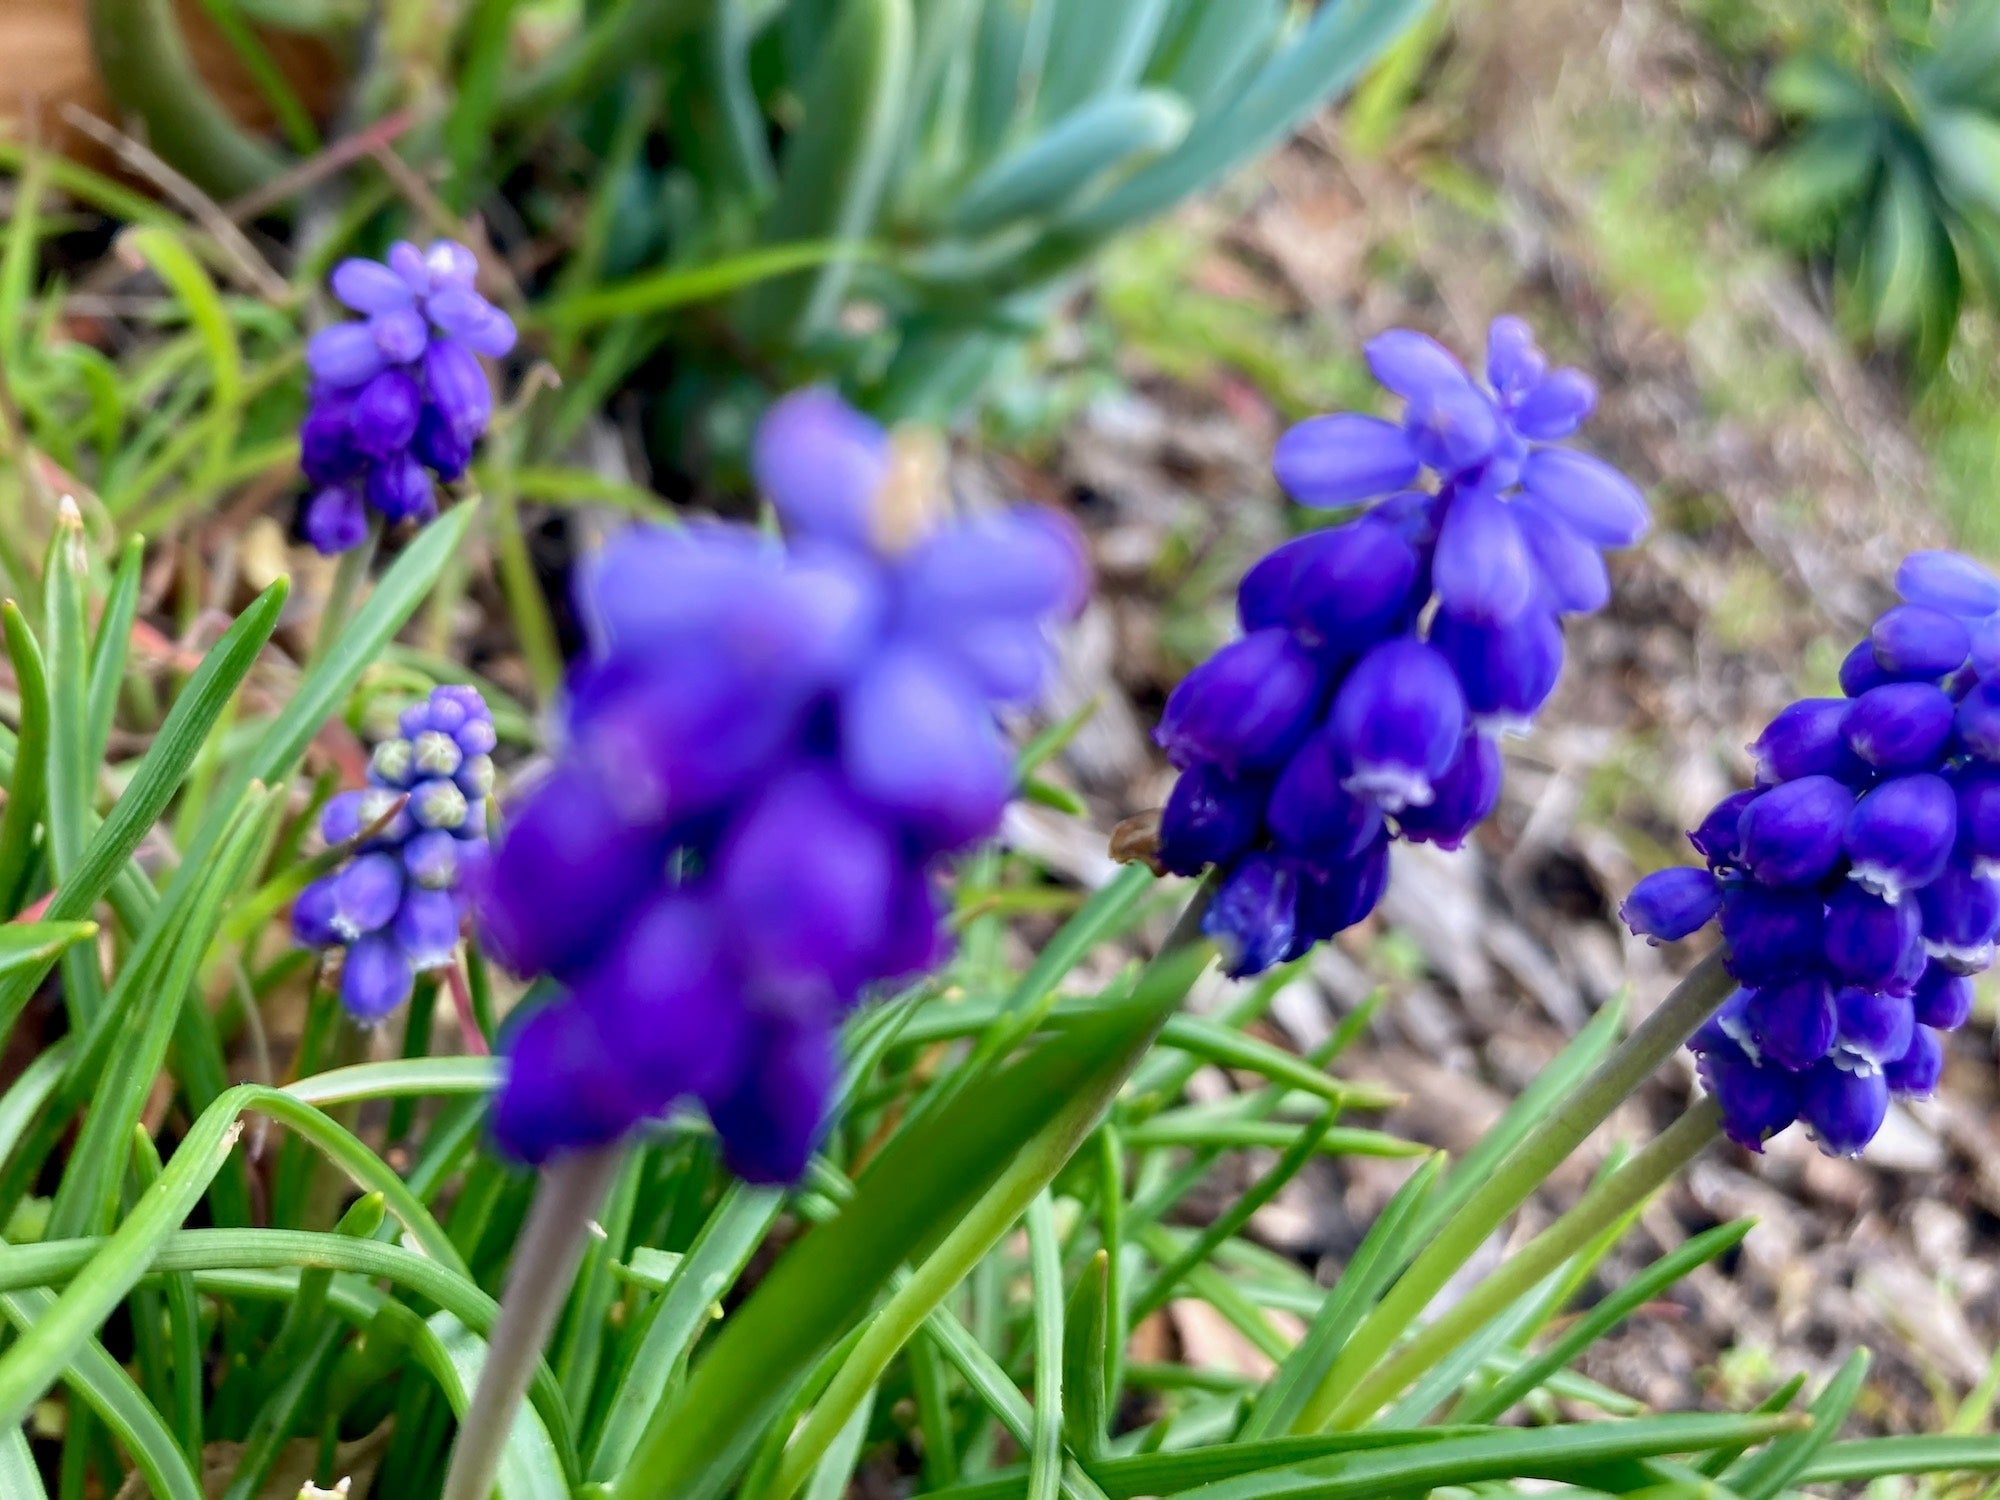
x=538, y=1284
x=1604, y=1205
x=1693, y=1001
x=348, y=576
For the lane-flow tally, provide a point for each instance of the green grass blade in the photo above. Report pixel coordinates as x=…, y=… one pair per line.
x=149, y=72
x=1883, y=1458
x=108, y=653
x=19, y=1476
x=183, y=1318
x=116, y=1400
x=1285, y=1403
x=1602, y=1318
x=1553, y=1453
x=674, y=287
x=158, y=775
x=27, y=795
x=87, y=1199
x=1087, y=1359
x=1764, y=1475
x=1045, y=1449
x=72, y=774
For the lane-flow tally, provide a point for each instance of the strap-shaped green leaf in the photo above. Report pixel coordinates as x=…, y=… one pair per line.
x=942, y=1195
x=158, y=776
x=836, y=164
x=1096, y=50
x=1113, y=133
x=27, y=795
x=101, y=1383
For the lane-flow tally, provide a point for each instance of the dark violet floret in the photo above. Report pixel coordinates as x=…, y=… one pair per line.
x=1719, y=839
x=1792, y=835
x=1210, y=819
x=1915, y=1074
x=1461, y=799
x=1771, y=933
x=1900, y=835
x=1310, y=813
x=1961, y=919
x=1671, y=904
x=1949, y=581
x=1977, y=825
x=1483, y=571
x=1343, y=589
x=1979, y=720
x=1874, y=1028
x=1247, y=707
x=1332, y=898
x=1343, y=459
x=1901, y=726
x=1792, y=1021
x=1914, y=641
x=1805, y=740
x=1253, y=917
x=1397, y=721
x=1869, y=940
x=1505, y=671
x=1757, y=1102
x=1943, y=999
x=1843, y=1109
x=1860, y=671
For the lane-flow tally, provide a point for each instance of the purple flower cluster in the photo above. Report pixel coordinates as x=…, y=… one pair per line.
x=399, y=398
x=771, y=747
x=1855, y=884
x=1381, y=657
x=418, y=828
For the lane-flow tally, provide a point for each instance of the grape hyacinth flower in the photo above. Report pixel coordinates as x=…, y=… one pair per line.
x=1854, y=885
x=418, y=827
x=771, y=749
x=399, y=399
x=1382, y=657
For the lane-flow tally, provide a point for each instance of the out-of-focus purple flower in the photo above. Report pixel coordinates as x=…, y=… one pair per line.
x=1857, y=952
x=399, y=398
x=1382, y=656
x=398, y=905
x=772, y=747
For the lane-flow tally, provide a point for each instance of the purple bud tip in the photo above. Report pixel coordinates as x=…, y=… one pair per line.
x=1669, y=905
x=1949, y=581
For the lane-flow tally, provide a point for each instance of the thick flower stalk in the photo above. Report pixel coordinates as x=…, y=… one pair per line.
x=417, y=830
x=399, y=398
x=771, y=746
x=1854, y=886
x=1382, y=657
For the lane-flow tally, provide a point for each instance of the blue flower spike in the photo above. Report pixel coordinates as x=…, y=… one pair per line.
x=1383, y=656
x=399, y=399
x=1854, y=885
x=772, y=748
x=398, y=906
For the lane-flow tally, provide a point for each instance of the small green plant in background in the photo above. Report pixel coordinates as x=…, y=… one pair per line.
x=1894, y=175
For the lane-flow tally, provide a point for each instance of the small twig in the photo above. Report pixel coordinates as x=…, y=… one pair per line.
x=439, y=216
x=337, y=155
x=461, y=1001
x=244, y=257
